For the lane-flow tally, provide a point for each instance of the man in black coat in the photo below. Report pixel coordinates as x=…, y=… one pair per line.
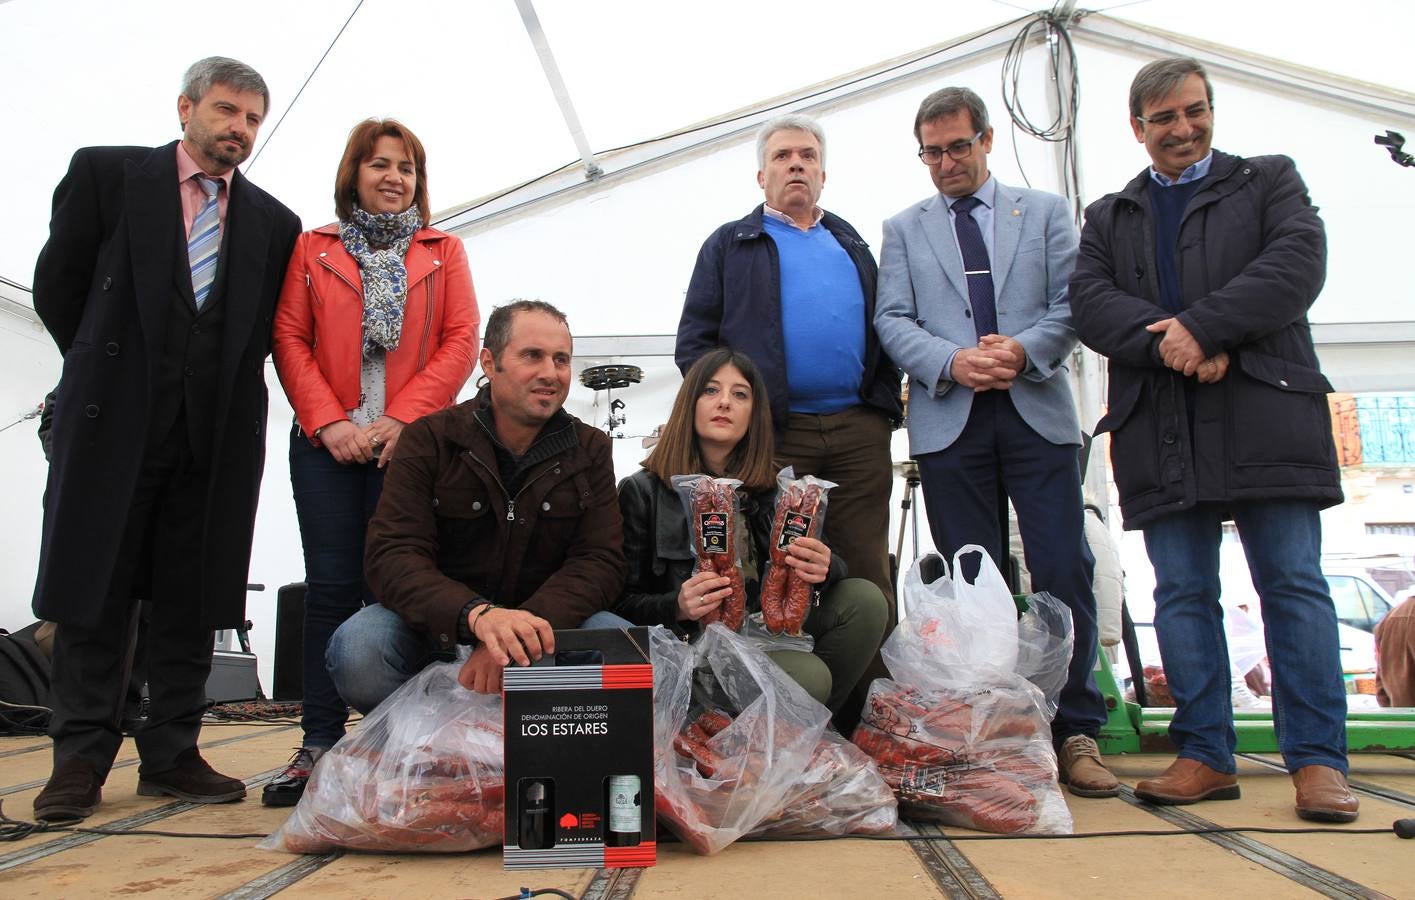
x=158, y=283
x=1196, y=280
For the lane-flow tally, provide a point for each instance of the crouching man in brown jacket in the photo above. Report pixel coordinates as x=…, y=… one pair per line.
x=498, y=522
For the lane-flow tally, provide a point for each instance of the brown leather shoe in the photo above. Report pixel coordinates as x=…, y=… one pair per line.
x=1322, y=795
x=1187, y=781
x=72, y=794
x=191, y=779
x=1079, y=767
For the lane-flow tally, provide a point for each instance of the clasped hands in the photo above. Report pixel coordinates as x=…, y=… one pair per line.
x=503, y=636
x=348, y=443
x=990, y=366
x=1182, y=353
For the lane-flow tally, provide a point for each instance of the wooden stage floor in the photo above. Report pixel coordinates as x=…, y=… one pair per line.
x=1232, y=866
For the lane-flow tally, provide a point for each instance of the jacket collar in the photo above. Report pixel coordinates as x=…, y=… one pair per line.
x=472, y=425
x=424, y=255
x=1008, y=212
x=749, y=227
x=1223, y=166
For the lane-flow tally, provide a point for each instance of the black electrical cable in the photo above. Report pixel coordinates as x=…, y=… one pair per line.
x=23, y=718
x=1404, y=828
x=271, y=136
x=267, y=723
x=1061, y=128
x=717, y=123
x=18, y=829
x=527, y=892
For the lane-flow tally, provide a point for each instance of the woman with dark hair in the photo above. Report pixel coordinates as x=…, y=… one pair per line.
x=721, y=426
x=376, y=326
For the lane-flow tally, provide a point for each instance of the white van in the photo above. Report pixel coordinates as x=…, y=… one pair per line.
x=1360, y=600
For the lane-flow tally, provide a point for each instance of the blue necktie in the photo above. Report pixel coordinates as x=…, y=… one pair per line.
x=205, y=241
x=976, y=267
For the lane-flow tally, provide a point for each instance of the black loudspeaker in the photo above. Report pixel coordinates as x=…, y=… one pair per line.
x=289, y=642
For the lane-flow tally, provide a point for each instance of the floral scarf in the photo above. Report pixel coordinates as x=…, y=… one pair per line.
x=384, y=274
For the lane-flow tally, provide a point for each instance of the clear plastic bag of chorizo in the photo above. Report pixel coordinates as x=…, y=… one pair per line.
x=732, y=735
x=714, y=537
x=977, y=758
x=799, y=512
x=841, y=792
x=1045, y=639
x=962, y=731
x=422, y=773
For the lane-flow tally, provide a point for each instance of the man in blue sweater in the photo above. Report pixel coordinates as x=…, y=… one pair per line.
x=793, y=287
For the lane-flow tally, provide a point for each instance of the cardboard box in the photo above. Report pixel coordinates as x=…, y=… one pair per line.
x=579, y=741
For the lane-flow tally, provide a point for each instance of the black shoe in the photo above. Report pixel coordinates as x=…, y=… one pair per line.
x=288, y=787
x=72, y=794
x=191, y=779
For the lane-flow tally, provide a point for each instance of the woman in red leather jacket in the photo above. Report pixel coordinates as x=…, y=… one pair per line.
x=376, y=326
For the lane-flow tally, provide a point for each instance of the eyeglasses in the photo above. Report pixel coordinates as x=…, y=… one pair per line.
x=1196, y=113
x=957, y=150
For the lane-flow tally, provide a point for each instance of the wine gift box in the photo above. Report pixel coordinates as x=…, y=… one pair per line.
x=579, y=754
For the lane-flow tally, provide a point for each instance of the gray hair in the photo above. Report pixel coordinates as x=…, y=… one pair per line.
x=789, y=122
x=1158, y=79
x=947, y=101
x=498, y=324
x=232, y=73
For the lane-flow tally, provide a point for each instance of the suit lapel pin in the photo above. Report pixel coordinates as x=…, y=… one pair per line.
x=1017, y=212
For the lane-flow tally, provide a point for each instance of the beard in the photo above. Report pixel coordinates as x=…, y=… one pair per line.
x=213, y=146
x=221, y=152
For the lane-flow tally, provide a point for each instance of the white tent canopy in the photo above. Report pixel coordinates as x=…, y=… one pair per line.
x=615, y=253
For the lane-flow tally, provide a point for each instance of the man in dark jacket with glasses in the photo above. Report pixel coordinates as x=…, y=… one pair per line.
x=1195, y=280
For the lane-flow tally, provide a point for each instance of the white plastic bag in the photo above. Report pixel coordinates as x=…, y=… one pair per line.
x=954, y=625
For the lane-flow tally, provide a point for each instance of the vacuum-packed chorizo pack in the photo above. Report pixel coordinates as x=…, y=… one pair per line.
x=800, y=512
x=713, y=514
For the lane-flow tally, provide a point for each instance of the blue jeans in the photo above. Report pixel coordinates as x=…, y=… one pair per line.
x=334, y=503
x=1282, y=540
x=373, y=653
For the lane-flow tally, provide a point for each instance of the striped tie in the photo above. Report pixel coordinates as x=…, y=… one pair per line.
x=205, y=241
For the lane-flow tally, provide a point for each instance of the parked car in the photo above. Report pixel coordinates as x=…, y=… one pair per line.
x=1361, y=599
x=1358, y=648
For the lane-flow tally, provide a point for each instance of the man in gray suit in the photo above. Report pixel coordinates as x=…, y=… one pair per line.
x=972, y=304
